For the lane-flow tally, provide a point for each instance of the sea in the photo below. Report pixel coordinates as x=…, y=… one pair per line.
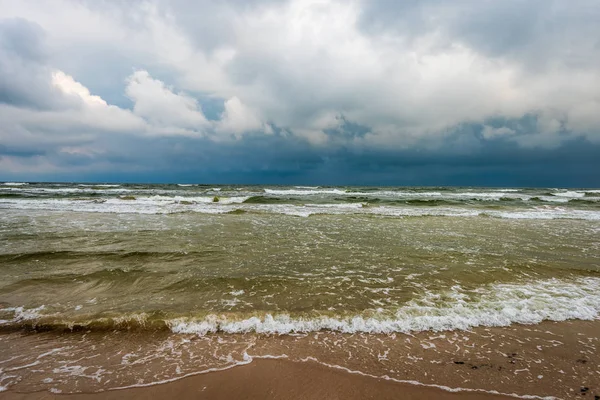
x=106, y=286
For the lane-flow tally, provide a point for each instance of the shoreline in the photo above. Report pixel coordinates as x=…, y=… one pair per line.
x=551, y=360
x=272, y=379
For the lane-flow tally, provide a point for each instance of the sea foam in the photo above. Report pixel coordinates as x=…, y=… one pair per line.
x=220, y=205
x=492, y=305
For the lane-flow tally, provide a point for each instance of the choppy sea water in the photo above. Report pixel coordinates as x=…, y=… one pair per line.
x=221, y=261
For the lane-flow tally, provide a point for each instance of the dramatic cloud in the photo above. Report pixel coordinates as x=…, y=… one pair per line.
x=307, y=90
x=159, y=105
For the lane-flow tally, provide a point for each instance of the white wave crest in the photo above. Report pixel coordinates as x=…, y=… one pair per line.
x=80, y=189
x=488, y=195
x=165, y=200
x=309, y=192
x=99, y=185
x=207, y=205
x=492, y=305
x=570, y=194
x=21, y=314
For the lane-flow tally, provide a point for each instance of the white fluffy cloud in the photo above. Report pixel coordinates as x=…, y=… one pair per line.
x=67, y=85
x=237, y=118
x=160, y=106
x=82, y=124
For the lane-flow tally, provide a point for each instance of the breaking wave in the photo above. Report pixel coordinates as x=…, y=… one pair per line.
x=456, y=308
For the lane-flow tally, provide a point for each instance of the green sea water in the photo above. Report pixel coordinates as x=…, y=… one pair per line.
x=202, y=259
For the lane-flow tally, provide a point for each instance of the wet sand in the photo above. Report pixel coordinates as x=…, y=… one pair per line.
x=550, y=360
x=271, y=379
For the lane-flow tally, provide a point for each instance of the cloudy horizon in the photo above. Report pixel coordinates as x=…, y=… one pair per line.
x=301, y=92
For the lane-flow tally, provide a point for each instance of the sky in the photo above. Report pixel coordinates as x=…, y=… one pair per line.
x=371, y=92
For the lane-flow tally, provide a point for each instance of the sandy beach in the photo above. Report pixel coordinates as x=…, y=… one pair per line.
x=552, y=360
x=271, y=379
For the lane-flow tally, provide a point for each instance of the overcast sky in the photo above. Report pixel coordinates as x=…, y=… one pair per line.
x=434, y=92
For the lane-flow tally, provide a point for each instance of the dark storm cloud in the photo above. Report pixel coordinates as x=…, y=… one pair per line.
x=278, y=160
